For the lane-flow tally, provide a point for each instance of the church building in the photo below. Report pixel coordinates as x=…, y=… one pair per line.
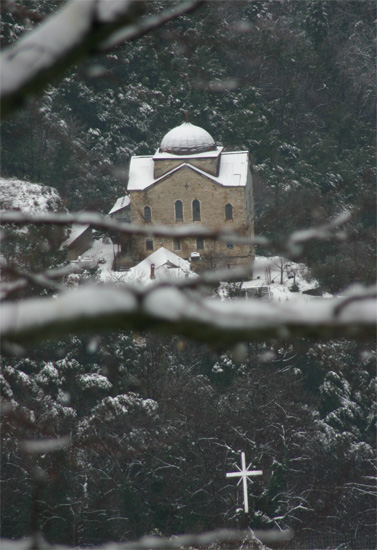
x=189, y=180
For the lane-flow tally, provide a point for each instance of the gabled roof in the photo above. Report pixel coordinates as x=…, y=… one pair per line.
x=166, y=264
x=121, y=203
x=76, y=231
x=233, y=171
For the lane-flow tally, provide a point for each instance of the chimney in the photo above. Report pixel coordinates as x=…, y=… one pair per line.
x=153, y=276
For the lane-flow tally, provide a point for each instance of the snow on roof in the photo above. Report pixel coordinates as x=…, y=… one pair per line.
x=204, y=155
x=76, y=231
x=28, y=197
x=233, y=171
x=187, y=139
x=166, y=265
x=141, y=173
x=121, y=203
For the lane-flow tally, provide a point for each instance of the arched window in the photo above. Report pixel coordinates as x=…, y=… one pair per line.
x=147, y=214
x=196, y=210
x=178, y=211
x=228, y=212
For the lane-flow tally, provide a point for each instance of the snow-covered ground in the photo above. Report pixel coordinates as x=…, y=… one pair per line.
x=100, y=255
x=267, y=272
x=280, y=275
x=166, y=265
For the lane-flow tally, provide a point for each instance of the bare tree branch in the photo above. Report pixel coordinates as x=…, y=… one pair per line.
x=292, y=246
x=175, y=311
x=75, y=31
x=105, y=222
x=149, y=24
x=24, y=278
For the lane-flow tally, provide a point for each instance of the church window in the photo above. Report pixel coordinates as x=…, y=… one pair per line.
x=178, y=211
x=149, y=244
x=200, y=243
x=228, y=212
x=147, y=214
x=229, y=245
x=196, y=210
x=177, y=244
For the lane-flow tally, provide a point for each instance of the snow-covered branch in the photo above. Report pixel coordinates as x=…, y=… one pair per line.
x=79, y=29
x=173, y=310
x=160, y=543
x=21, y=278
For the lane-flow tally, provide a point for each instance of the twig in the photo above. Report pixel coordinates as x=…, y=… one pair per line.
x=292, y=246
x=44, y=280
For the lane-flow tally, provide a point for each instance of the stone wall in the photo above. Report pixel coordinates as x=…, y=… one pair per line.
x=209, y=165
x=186, y=185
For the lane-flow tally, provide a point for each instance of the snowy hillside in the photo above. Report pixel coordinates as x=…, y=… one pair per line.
x=25, y=246
x=28, y=197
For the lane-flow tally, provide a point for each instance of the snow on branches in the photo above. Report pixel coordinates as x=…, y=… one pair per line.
x=77, y=30
x=179, y=307
x=174, y=310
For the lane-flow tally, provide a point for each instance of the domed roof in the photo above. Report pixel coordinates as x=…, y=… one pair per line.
x=187, y=139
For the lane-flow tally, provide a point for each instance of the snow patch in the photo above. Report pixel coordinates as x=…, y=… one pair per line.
x=28, y=197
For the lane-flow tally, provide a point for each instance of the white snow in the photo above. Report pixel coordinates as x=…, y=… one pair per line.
x=187, y=138
x=162, y=155
x=121, y=203
x=28, y=197
x=77, y=229
x=267, y=272
x=167, y=265
x=233, y=170
x=95, y=381
x=101, y=253
x=234, y=320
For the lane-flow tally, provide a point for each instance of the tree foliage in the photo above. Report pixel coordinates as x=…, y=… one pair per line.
x=116, y=435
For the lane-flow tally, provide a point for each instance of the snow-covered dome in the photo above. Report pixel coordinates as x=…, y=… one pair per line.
x=187, y=139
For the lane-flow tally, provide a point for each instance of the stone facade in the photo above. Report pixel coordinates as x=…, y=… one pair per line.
x=208, y=188
x=209, y=165
x=187, y=186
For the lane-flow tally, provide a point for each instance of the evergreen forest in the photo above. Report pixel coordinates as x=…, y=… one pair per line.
x=150, y=424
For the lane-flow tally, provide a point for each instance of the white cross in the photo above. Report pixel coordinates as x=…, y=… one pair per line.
x=243, y=475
